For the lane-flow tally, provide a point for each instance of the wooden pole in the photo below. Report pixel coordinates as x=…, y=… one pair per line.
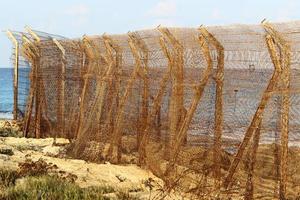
x=94, y=56
x=62, y=84
x=30, y=52
x=115, y=80
x=38, y=91
x=285, y=106
x=91, y=57
x=251, y=158
x=33, y=34
x=16, y=78
x=16, y=75
x=37, y=119
x=156, y=104
x=144, y=111
x=259, y=112
x=176, y=109
x=285, y=60
x=114, y=148
x=104, y=82
x=218, y=106
x=199, y=89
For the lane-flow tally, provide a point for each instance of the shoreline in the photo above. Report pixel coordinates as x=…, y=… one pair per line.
x=6, y=116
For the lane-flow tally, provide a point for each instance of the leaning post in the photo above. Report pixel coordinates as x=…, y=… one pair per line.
x=16, y=73
x=38, y=113
x=62, y=84
x=274, y=44
x=285, y=61
x=219, y=79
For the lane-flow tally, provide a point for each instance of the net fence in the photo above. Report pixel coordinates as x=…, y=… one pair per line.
x=8, y=79
x=213, y=111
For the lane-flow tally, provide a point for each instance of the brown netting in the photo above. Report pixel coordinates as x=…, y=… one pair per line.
x=213, y=111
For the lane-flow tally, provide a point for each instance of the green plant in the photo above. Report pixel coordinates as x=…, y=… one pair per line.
x=9, y=129
x=93, y=192
x=35, y=168
x=53, y=188
x=124, y=195
x=8, y=177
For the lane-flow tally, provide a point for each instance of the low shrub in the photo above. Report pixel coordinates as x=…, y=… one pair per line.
x=53, y=188
x=8, y=177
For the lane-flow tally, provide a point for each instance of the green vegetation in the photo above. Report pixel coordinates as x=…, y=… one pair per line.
x=8, y=178
x=46, y=187
x=125, y=196
x=9, y=130
x=53, y=188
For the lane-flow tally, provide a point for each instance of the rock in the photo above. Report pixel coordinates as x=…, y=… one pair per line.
x=51, y=150
x=21, y=181
x=77, y=161
x=110, y=196
x=60, y=142
x=121, y=178
x=6, y=150
x=4, y=157
x=4, y=133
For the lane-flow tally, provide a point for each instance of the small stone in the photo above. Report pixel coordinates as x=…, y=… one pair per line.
x=3, y=134
x=121, y=178
x=4, y=157
x=107, y=163
x=51, y=150
x=6, y=150
x=110, y=196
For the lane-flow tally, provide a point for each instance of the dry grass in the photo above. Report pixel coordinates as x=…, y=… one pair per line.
x=10, y=129
x=14, y=186
x=53, y=188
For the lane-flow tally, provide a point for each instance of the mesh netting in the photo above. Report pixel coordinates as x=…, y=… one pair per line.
x=212, y=111
x=23, y=78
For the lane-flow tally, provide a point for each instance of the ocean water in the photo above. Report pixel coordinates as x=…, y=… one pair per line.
x=6, y=93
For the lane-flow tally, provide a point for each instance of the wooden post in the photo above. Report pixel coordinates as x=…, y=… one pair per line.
x=62, y=85
x=251, y=158
x=156, y=104
x=218, y=107
x=199, y=89
x=283, y=64
x=37, y=119
x=114, y=148
x=37, y=94
x=83, y=72
x=115, y=80
x=284, y=134
x=16, y=75
x=259, y=112
x=92, y=56
x=176, y=110
x=285, y=106
x=30, y=51
x=33, y=34
x=104, y=81
x=144, y=112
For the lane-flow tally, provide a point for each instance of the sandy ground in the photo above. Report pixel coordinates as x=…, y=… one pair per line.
x=125, y=178
x=129, y=178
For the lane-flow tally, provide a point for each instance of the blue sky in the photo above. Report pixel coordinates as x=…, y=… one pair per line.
x=73, y=18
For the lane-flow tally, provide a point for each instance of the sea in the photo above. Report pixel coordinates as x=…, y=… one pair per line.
x=6, y=93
